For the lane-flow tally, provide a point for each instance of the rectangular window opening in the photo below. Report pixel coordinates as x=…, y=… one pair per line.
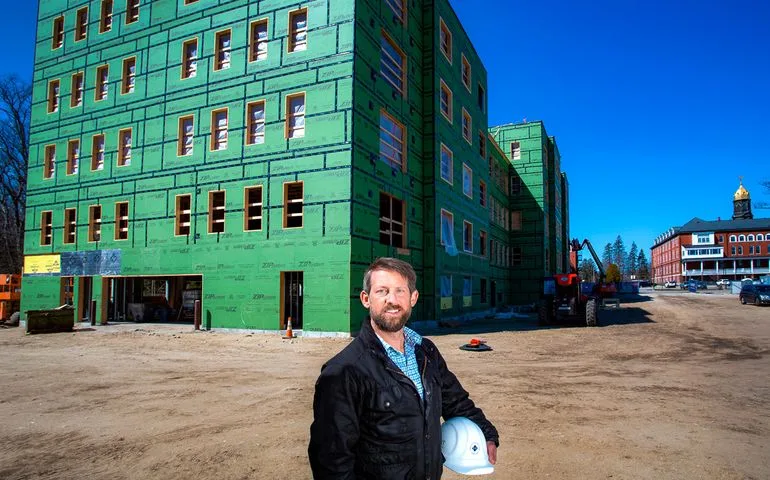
x=121, y=221
x=185, y=136
x=392, y=141
x=105, y=17
x=392, y=64
x=129, y=75
x=132, y=11
x=252, y=209
x=445, y=41
x=222, y=50
x=467, y=236
x=392, y=221
x=293, y=205
x=399, y=9
x=76, y=96
x=217, y=211
x=258, y=41
x=467, y=181
x=183, y=214
x=70, y=225
x=124, y=147
x=482, y=243
x=94, y=223
x=298, y=30
x=515, y=150
x=46, y=228
x=53, y=96
x=295, y=115
x=97, y=152
x=49, y=168
x=219, y=129
x=447, y=164
x=102, y=82
x=190, y=58
x=445, y=101
x=467, y=126
x=57, y=39
x=255, y=123
x=466, y=73
x=73, y=157
x=81, y=25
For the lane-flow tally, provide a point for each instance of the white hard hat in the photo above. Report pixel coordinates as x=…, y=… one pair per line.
x=464, y=447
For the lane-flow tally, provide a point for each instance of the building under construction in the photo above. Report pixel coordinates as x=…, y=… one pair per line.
x=257, y=156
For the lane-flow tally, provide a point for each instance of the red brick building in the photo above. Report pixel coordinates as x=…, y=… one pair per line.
x=711, y=250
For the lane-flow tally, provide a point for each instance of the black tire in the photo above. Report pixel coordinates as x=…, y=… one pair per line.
x=592, y=312
x=545, y=312
x=743, y=300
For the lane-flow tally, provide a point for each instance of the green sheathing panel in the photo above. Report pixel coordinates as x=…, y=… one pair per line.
x=419, y=183
x=374, y=96
x=556, y=247
x=446, y=195
x=500, y=253
x=526, y=278
x=241, y=270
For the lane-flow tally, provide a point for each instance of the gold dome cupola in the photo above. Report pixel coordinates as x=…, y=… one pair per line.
x=742, y=203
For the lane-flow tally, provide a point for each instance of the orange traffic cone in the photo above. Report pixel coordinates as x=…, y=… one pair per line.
x=289, y=332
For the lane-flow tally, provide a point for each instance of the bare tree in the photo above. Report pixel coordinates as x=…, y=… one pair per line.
x=15, y=109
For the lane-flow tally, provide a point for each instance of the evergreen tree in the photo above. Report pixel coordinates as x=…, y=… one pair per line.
x=631, y=266
x=643, y=267
x=607, y=256
x=619, y=255
x=588, y=270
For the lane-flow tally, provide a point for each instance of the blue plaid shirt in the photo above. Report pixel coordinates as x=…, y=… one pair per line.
x=407, y=361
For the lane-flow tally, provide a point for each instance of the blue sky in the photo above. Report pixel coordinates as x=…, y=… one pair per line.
x=657, y=106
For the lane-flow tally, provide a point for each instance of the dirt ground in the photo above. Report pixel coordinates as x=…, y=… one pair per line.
x=671, y=385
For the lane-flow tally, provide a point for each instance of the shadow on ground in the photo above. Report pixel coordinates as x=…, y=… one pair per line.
x=624, y=315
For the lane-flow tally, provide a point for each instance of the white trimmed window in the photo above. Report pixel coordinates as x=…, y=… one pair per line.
x=445, y=40
x=447, y=229
x=466, y=72
x=467, y=236
x=467, y=126
x=515, y=150
x=467, y=181
x=393, y=64
x=392, y=141
x=445, y=101
x=446, y=164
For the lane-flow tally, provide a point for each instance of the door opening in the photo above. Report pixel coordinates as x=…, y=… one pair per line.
x=291, y=306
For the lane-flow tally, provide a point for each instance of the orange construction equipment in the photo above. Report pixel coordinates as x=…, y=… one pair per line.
x=10, y=294
x=289, y=331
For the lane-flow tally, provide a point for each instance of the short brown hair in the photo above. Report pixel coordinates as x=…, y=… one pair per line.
x=391, y=265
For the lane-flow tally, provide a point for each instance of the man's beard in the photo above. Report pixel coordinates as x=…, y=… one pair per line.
x=392, y=325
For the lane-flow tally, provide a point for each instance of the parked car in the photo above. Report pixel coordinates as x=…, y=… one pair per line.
x=723, y=283
x=702, y=285
x=756, y=294
x=697, y=283
x=670, y=284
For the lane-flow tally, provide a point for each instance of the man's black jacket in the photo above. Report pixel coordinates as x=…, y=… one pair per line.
x=369, y=421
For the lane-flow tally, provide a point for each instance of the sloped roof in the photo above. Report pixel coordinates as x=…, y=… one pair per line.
x=739, y=224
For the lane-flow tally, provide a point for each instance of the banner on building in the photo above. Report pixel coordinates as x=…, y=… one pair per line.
x=94, y=262
x=42, y=264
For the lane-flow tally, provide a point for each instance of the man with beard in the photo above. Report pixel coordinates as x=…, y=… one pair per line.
x=378, y=403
